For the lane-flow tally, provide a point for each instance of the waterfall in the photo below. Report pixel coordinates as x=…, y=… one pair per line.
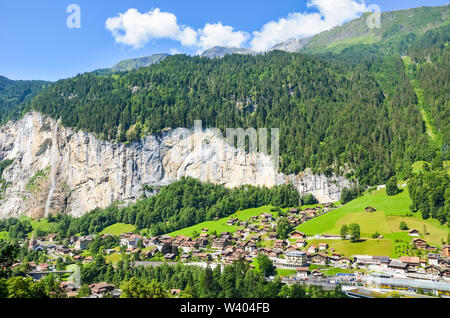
x=52, y=171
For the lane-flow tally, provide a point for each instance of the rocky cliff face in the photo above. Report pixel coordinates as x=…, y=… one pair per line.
x=58, y=170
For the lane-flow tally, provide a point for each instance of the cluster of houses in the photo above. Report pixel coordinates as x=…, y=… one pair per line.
x=257, y=235
x=436, y=267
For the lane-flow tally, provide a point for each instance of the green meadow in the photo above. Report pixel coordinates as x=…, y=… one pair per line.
x=390, y=211
x=221, y=224
x=118, y=229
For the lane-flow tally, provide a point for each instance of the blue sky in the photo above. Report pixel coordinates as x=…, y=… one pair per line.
x=37, y=44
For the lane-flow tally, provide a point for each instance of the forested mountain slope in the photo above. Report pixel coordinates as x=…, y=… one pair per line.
x=394, y=27
x=14, y=93
x=333, y=115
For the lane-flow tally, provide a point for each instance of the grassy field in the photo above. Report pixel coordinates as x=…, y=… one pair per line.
x=113, y=258
x=118, y=229
x=367, y=246
x=390, y=211
x=221, y=224
x=41, y=224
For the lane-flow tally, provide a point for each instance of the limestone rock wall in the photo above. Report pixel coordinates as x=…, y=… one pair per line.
x=59, y=170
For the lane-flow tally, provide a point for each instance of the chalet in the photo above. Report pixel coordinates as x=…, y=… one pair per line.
x=42, y=267
x=273, y=236
x=255, y=238
x=281, y=242
x=293, y=221
x=204, y=235
x=446, y=274
x=412, y=262
x=343, y=261
x=130, y=242
x=185, y=257
x=62, y=250
x=297, y=235
x=83, y=242
x=294, y=211
x=169, y=257
x=423, y=262
x=432, y=248
x=232, y=221
x=372, y=262
x=318, y=259
x=312, y=249
x=433, y=271
x=275, y=252
x=420, y=243
x=166, y=239
x=205, y=230
x=446, y=250
x=278, y=246
x=370, y=209
x=398, y=267
x=444, y=262
x=292, y=248
x=202, y=242
x=301, y=243
x=88, y=259
x=414, y=232
x=250, y=247
x=148, y=254
x=101, y=288
x=330, y=237
x=335, y=256
x=188, y=246
x=267, y=216
x=204, y=257
x=302, y=272
x=77, y=258
x=32, y=243
x=51, y=237
x=323, y=246
x=221, y=243
x=70, y=288
x=316, y=273
x=177, y=242
x=381, y=261
x=433, y=259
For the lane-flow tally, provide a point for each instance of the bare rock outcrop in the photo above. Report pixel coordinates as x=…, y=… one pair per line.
x=58, y=170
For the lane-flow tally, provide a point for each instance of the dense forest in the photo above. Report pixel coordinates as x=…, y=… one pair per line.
x=13, y=95
x=333, y=114
x=430, y=192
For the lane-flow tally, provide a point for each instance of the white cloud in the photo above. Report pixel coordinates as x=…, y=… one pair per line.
x=220, y=35
x=137, y=29
x=331, y=13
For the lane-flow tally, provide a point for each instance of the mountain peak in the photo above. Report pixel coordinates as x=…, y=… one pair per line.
x=219, y=51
